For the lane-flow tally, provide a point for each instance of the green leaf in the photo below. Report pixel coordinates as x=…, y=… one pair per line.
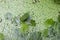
x=57, y=1
x=45, y=33
x=24, y=28
x=33, y=23
x=49, y=22
x=24, y=17
x=1, y=36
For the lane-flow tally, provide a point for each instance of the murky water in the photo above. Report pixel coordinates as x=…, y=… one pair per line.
x=39, y=11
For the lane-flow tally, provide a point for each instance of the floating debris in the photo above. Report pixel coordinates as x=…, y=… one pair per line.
x=17, y=20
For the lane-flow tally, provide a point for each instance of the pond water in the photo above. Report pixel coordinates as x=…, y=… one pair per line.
x=39, y=10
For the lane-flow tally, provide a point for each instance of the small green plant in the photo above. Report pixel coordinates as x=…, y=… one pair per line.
x=24, y=17
x=23, y=22
x=49, y=22
x=1, y=36
x=24, y=28
x=33, y=23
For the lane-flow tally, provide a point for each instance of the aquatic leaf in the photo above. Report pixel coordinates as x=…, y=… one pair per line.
x=1, y=36
x=24, y=28
x=33, y=23
x=49, y=22
x=24, y=17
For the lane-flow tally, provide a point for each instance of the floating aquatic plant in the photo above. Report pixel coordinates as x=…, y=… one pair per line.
x=49, y=22
x=24, y=28
x=1, y=36
x=24, y=20
x=24, y=17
